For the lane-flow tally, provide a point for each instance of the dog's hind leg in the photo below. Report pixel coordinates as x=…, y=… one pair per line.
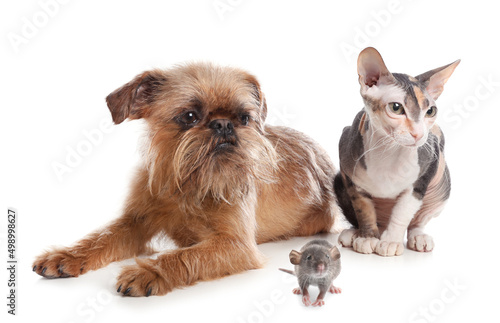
x=319, y=220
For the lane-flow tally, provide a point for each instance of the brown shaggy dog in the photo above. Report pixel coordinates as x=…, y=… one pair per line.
x=215, y=179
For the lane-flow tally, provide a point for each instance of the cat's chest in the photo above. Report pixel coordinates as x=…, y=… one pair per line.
x=388, y=172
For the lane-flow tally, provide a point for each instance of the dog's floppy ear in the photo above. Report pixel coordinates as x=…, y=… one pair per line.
x=295, y=257
x=133, y=99
x=259, y=96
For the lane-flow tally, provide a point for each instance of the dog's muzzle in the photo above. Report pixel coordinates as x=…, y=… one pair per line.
x=223, y=129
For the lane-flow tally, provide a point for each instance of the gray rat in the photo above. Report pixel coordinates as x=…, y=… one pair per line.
x=317, y=263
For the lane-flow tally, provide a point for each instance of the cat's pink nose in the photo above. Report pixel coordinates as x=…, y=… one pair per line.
x=417, y=135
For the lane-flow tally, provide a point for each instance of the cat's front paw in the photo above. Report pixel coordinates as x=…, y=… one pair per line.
x=420, y=242
x=365, y=245
x=389, y=248
x=347, y=236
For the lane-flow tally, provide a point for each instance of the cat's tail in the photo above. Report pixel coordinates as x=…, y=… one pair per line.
x=344, y=200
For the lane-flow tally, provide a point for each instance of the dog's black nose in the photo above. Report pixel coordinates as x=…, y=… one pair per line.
x=222, y=126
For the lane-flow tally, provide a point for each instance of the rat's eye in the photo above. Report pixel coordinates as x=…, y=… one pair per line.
x=189, y=118
x=245, y=119
x=396, y=108
x=431, y=112
x=327, y=256
x=309, y=257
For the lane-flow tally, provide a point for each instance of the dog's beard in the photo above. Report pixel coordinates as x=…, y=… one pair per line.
x=205, y=168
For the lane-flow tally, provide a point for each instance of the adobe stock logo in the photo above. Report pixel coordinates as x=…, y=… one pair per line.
x=83, y=148
x=32, y=25
x=265, y=308
x=363, y=35
x=224, y=6
x=440, y=304
x=281, y=116
x=485, y=88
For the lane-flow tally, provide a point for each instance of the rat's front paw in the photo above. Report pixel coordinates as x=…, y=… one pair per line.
x=389, y=248
x=306, y=300
x=142, y=279
x=59, y=263
x=318, y=302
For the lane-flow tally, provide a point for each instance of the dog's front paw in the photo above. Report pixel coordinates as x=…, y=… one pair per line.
x=420, y=242
x=59, y=263
x=365, y=245
x=389, y=248
x=142, y=279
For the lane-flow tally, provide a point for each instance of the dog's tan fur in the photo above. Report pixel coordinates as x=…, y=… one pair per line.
x=271, y=184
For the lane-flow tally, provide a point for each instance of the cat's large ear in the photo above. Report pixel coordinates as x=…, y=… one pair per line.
x=435, y=79
x=372, y=70
x=132, y=99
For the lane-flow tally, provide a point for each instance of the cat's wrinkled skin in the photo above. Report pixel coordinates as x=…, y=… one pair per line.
x=393, y=174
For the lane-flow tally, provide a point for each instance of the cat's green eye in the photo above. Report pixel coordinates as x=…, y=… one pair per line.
x=396, y=108
x=431, y=112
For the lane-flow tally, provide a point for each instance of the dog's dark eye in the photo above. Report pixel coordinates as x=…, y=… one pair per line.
x=245, y=119
x=189, y=118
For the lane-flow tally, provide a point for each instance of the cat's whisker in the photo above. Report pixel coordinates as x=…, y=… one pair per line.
x=376, y=146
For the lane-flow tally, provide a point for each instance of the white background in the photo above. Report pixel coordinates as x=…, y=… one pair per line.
x=53, y=85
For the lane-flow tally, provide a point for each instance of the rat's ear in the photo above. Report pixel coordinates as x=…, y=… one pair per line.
x=372, y=70
x=435, y=79
x=132, y=99
x=295, y=257
x=335, y=253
